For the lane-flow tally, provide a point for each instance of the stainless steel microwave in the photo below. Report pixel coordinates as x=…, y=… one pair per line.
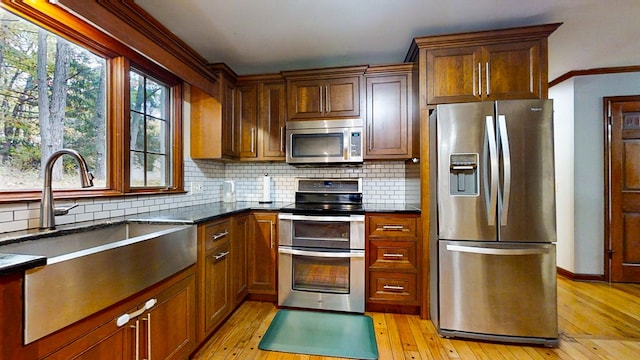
x=325, y=142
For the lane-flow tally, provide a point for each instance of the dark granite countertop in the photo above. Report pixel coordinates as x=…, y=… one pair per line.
x=10, y=263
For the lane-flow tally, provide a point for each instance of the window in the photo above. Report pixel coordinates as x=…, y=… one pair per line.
x=62, y=93
x=149, y=132
x=53, y=96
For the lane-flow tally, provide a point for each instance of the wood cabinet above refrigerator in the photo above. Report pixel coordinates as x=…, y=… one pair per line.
x=486, y=65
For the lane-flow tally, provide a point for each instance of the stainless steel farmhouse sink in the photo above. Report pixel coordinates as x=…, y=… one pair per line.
x=88, y=271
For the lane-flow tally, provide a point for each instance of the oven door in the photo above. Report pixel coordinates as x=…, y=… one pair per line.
x=323, y=232
x=321, y=279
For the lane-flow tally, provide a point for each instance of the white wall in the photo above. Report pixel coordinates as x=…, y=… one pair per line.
x=586, y=94
x=563, y=121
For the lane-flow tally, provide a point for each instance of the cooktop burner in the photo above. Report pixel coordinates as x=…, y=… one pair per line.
x=327, y=197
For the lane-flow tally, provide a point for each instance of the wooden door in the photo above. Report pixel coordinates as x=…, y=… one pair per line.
x=272, y=121
x=306, y=99
x=512, y=71
x=342, y=97
x=217, y=274
x=247, y=120
x=624, y=189
x=240, y=235
x=387, y=117
x=229, y=126
x=263, y=250
x=453, y=75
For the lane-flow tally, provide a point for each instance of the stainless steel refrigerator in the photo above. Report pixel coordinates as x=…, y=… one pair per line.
x=493, y=268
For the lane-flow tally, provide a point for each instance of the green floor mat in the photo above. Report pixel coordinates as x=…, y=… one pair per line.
x=321, y=333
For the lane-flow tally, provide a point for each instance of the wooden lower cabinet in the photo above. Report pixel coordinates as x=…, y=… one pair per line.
x=263, y=255
x=166, y=330
x=214, y=275
x=240, y=231
x=393, y=245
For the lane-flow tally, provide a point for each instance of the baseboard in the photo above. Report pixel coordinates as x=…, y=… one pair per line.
x=580, y=277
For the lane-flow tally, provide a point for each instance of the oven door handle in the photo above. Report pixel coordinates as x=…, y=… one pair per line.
x=287, y=216
x=327, y=254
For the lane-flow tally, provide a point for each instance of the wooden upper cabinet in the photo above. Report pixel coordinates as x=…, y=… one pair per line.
x=483, y=66
x=229, y=126
x=324, y=93
x=391, y=129
x=206, y=125
x=246, y=121
x=272, y=118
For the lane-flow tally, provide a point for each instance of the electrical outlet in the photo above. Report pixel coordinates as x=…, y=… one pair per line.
x=196, y=188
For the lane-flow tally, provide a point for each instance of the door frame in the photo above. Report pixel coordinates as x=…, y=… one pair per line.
x=607, y=116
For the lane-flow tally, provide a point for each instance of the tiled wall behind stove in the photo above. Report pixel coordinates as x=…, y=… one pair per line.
x=382, y=181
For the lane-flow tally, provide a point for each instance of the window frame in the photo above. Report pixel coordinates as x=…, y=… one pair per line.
x=119, y=59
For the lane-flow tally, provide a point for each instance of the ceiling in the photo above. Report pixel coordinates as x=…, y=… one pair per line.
x=256, y=37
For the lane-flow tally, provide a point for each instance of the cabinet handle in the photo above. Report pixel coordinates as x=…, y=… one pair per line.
x=369, y=137
x=488, y=79
x=273, y=245
x=219, y=235
x=281, y=138
x=221, y=255
x=148, y=320
x=479, y=79
x=393, y=287
x=393, y=228
x=328, y=101
x=393, y=255
x=253, y=137
x=137, y=339
x=123, y=319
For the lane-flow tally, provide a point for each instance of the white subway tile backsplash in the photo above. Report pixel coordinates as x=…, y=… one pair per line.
x=383, y=181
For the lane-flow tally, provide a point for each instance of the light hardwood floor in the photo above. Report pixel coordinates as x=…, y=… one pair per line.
x=596, y=321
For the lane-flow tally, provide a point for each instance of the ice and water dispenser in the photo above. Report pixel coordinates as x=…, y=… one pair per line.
x=463, y=174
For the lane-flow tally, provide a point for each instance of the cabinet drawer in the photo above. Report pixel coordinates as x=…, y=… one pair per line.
x=398, y=255
x=400, y=287
x=216, y=233
x=392, y=226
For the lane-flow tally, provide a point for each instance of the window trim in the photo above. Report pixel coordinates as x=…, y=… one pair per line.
x=119, y=59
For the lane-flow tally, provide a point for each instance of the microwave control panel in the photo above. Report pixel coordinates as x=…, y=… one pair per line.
x=356, y=144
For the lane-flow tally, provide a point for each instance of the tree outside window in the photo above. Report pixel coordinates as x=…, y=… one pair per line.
x=53, y=96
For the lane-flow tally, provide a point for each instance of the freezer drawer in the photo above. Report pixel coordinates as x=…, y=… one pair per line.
x=491, y=290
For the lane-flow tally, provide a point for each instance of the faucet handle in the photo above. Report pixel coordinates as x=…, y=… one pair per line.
x=57, y=211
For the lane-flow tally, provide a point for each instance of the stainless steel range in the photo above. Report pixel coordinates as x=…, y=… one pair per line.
x=321, y=251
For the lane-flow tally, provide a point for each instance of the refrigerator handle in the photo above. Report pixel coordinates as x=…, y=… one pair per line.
x=493, y=156
x=497, y=251
x=506, y=156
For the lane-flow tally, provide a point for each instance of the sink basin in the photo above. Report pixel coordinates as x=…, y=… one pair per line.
x=88, y=271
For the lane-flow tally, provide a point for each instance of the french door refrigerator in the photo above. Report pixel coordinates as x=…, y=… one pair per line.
x=493, y=274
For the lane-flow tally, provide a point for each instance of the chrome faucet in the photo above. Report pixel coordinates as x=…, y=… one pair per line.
x=47, y=210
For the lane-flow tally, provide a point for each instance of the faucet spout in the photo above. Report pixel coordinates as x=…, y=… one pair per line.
x=47, y=210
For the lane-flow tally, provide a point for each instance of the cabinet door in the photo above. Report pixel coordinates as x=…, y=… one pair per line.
x=263, y=249
x=107, y=345
x=342, y=97
x=324, y=98
x=229, y=126
x=206, y=125
x=453, y=75
x=512, y=71
x=387, y=117
x=272, y=121
x=239, y=239
x=217, y=272
x=306, y=99
x=247, y=120
x=169, y=325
